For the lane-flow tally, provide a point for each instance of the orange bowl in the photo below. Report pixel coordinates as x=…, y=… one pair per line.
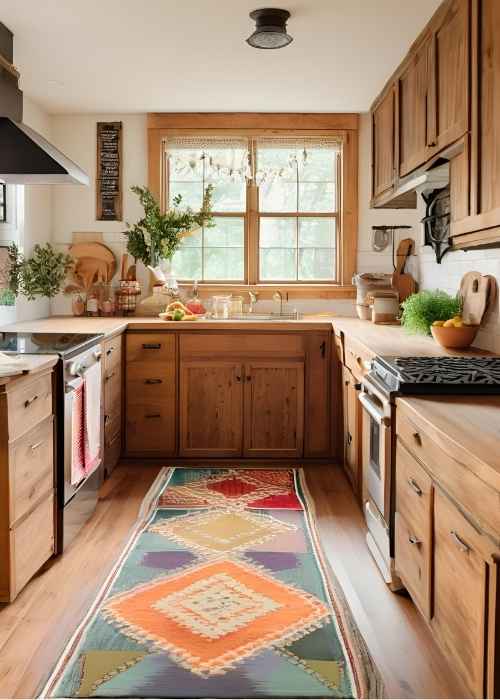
x=454, y=337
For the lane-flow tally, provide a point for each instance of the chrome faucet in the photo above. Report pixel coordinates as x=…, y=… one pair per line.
x=278, y=297
x=253, y=300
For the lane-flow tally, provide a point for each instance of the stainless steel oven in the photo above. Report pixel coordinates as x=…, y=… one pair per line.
x=377, y=472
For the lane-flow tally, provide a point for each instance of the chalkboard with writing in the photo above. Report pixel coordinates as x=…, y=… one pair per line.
x=109, y=171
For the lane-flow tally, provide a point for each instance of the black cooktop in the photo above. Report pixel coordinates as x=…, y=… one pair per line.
x=438, y=375
x=63, y=344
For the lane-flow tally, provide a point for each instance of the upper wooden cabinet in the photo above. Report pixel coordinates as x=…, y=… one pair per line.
x=424, y=108
x=416, y=120
x=480, y=224
x=384, y=144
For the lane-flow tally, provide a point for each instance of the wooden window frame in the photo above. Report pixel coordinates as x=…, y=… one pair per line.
x=343, y=127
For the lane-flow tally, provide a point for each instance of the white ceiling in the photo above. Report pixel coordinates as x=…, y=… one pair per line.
x=191, y=55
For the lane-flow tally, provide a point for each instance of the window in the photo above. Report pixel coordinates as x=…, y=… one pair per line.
x=3, y=203
x=274, y=208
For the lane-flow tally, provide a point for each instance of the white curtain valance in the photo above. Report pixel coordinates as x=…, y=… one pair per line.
x=280, y=158
x=209, y=157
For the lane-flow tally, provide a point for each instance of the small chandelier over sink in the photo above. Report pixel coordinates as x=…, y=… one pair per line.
x=270, y=29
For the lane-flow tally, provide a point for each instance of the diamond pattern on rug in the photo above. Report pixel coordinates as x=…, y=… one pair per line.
x=220, y=531
x=175, y=613
x=100, y=666
x=234, y=489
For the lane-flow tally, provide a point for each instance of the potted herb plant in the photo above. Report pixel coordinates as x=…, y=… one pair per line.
x=41, y=275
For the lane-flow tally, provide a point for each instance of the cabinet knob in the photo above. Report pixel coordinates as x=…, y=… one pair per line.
x=238, y=378
x=322, y=349
x=417, y=438
x=413, y=540
x=28, y=402
x=415, y=486
x=248, y=378
x=463, y=546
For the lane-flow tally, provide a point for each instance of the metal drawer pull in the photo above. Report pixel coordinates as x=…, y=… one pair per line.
x=108, y=352
x=417, y=438
x=238, y=378
x=110, y=376
x=415, y=486
x=463, y=546
x=413, y=540
x=37, y=445
x=153, y=415
x=153, y=381
x=151, y=346
x=28, y=402
x=322, y=349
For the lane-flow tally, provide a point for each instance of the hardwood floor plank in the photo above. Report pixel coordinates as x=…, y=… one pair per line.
x=35, y=628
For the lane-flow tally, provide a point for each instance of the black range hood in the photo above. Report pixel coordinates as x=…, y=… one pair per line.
x=26, y=157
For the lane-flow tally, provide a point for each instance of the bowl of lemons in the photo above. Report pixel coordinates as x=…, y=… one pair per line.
x=453, y=333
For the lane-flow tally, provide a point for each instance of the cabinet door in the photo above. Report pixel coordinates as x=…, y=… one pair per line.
x=450, y=67
x=460, y=594
x=317, y=414
x=274, y=409
x=383, y=144
x=150, y=402
x=211, y=409
x=413, y=88
x=352, y=431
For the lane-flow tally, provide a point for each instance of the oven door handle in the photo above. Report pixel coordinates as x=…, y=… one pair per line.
x=373, y=410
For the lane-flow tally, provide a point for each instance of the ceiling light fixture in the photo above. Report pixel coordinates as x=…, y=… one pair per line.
x=270, y=29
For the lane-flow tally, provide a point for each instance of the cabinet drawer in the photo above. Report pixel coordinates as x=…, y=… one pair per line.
x=29, y=405
x=475, y=496
x=237, y=345
x=414, y=492
x=356, y=357
x=112, y=350
x=460, y=594
x=150, y=427
x=413, y=562
x=32, y=544
x=31, y=464
x=150, y=347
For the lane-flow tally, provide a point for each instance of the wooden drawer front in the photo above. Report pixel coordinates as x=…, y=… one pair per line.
x=31, y=463
x=150, y=427
x=474, y=495
x=32, y=544
x=238, y=345
x=150, y=347
x=413, y=562
x=460, y=594
x=112, y=350
x=414, y=492
x=29, y=405
x=356, y=357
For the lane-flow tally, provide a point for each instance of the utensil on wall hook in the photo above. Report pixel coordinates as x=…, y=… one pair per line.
x=383, y=235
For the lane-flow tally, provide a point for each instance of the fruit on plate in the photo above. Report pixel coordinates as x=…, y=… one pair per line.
x=177, y=311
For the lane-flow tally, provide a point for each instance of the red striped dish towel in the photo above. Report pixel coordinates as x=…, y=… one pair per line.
x=92, y=418
x=78, y=446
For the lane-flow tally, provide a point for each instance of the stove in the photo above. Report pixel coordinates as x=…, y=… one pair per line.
x=437, y=375
x=63, y=344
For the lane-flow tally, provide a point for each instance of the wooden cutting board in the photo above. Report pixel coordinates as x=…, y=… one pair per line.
x=95, y=262
x=401, y=280
x=477, y=292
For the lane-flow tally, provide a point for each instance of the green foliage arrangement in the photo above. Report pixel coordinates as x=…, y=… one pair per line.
x=41, y=275
x=157, y=236
x=422, y=309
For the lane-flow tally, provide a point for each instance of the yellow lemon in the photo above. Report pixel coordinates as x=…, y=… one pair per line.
x=438, y=323
x=449, y=324
x=458, y=324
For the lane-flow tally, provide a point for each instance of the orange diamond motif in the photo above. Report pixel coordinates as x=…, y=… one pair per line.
x=216, y=614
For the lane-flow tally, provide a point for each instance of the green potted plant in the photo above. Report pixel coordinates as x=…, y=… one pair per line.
x=158, y=235
x=41, y=275
x=422, y=309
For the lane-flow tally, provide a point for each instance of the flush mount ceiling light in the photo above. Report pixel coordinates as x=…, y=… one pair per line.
x=270, y=29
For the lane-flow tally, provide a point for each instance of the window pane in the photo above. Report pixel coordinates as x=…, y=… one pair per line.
x=317, y=263
x=316, y=233
x=320, y=165
x=316, y=196
x=191, y=192
x=228, y=196
x=277, y=233
x=278, y=195
x=277, y=264
x=224, y=263
x=186, y=263
x=228, y=231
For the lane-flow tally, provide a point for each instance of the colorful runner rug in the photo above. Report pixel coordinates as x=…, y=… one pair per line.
x=222, y=592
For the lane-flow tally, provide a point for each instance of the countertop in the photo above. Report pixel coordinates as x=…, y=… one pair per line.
x=471, y=422
x=35, y=363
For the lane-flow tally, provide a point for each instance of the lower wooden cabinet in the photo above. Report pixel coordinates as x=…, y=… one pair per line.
x=353, y=439
x=211, y=409
x=112, y=383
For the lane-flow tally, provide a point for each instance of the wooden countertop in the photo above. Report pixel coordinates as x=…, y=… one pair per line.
x=472, y=423
x=393, y=340
x=35, y=363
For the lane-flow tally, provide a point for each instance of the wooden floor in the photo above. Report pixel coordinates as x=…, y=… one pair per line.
x=33, y=629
